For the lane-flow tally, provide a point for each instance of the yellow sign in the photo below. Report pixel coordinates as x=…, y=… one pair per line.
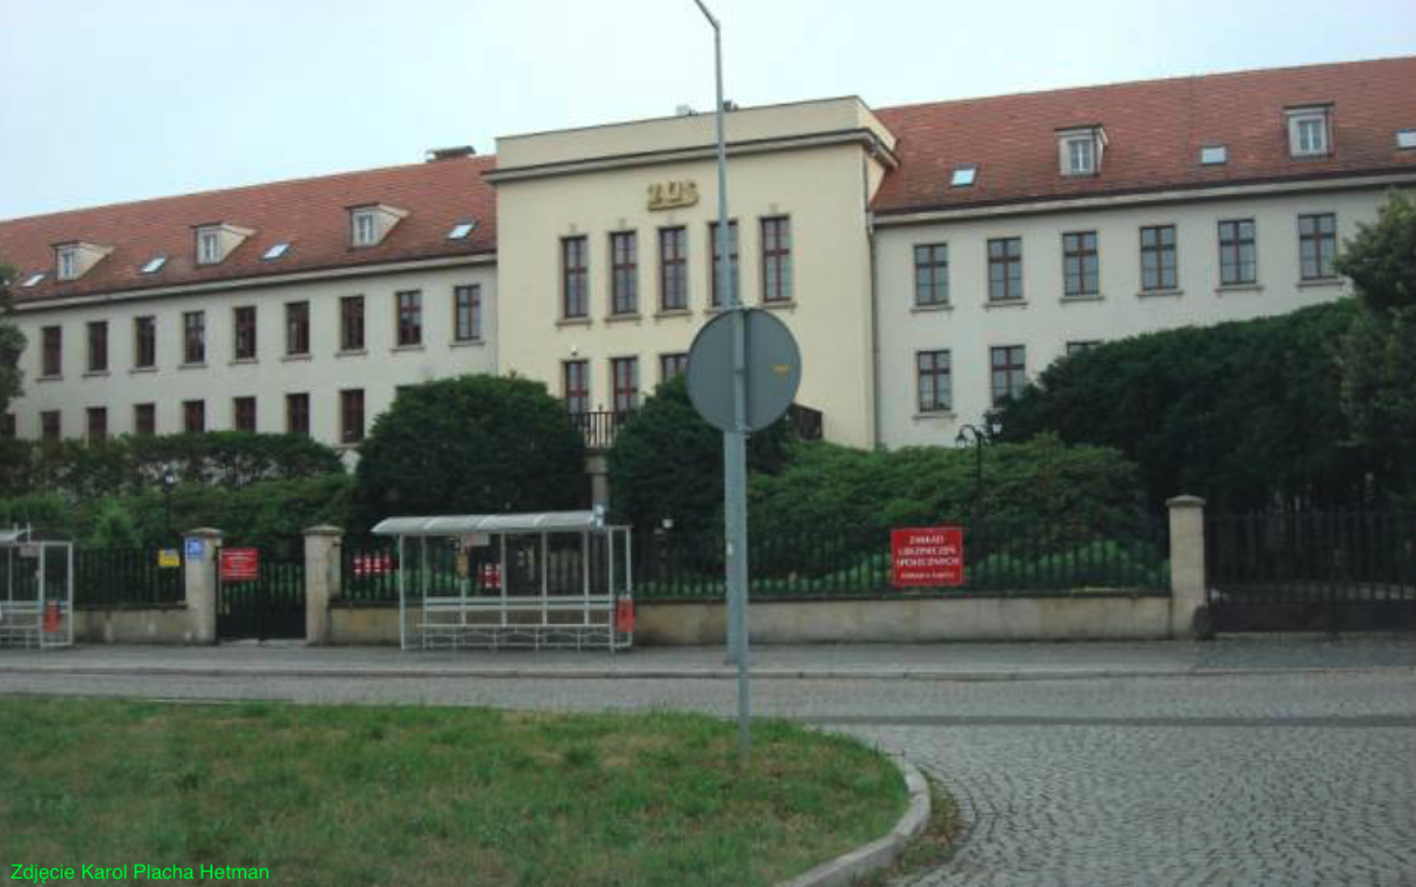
x=668, y=195
x=168, y=557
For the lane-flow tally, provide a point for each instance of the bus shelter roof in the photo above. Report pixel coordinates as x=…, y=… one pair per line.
x=461, y=524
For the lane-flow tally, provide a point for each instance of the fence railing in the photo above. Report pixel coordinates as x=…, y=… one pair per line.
x=1031, y=559
x=115, y=576
x=601, y=427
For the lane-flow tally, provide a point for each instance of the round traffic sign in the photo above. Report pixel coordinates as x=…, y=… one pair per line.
x=773, y=369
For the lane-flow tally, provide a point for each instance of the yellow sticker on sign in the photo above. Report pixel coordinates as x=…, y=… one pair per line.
x=168, y=557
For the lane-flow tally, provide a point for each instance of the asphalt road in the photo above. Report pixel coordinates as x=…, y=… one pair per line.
x=1248, y=778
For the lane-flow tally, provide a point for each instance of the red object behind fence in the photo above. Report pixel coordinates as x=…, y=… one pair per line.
x=927, y=557
x=624, y=615
x=240, y=564
x=51, y=617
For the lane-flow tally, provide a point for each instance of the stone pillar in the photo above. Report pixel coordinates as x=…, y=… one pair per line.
x=1187, y=563
x=323, y=545
x=200, y=576
x=599, y=471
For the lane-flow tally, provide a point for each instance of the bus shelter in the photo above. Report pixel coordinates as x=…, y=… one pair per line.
x=550, y=580
x=36, y=590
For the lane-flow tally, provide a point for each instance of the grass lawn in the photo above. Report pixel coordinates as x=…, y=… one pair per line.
x=358, y=795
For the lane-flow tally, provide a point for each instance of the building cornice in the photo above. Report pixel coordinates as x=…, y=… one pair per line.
x=314, y=275
x=861, y=136
x=1146, y=197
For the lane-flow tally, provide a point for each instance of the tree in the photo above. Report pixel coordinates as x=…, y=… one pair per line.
x=1379, y=351
x=667, y=462
x=473, y=444
x=12, y=342
x=1247, y=414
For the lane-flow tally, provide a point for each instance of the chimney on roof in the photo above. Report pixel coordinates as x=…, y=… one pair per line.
x=453, y=153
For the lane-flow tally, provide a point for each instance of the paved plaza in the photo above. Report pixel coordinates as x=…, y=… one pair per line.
x=1250, y=762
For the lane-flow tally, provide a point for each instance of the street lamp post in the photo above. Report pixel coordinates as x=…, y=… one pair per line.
x=972, y=434
x=169, y=480
x=735, y=441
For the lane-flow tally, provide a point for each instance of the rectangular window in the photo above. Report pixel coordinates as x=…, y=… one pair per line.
x=673, y=269
x=49, y=428
x=68, y=264
x=144, y=342
x=410, y=318
x=243, y=413
x=208, y=247
x=719, y=297
x=1308, y=132
x=351, y=416
x=145, y=418
x=1158, y=269
x=931, y=274
x=777, y=259
x=98, y=346
x=8, y=430
x=624, y=373
x=1317, y=245
x=193, y=416
x=1005, y=269
x=365, y=234
x=297, y=414
x=467, y=313
x=1237, y=261
x=624, y=272
x=935, y=390
x=1010, y=374
x=244, y=322
x=194, y=337
x=575, y=385
x=97, y=425
x=1079, y=347
x=1080, y=264
x=53, y=354
x=672, y=365
x=351, y=323
x=575, y=296
x=297, y=328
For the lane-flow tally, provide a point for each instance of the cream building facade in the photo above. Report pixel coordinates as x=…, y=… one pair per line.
x=929, y=258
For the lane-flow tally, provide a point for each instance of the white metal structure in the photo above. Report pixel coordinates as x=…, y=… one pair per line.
x=36, y=590
x=557, y=579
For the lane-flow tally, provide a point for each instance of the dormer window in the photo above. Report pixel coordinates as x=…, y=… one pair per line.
x=1310, y=131
x=217, y=241
x=1080, y=150
x=73, y=260
x=370, y=224
x=364, y=229
x=68, y=263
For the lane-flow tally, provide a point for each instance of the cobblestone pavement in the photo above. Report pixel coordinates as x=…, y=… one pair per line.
x=1265, y=779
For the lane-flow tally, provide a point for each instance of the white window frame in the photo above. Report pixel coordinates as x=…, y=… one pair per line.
x=1069, y=144
x=1298, y=122
x=67, y=263
x=208, y=246
x=362, y=218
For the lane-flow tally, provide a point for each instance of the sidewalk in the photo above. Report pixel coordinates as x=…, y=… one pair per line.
x=945, y=662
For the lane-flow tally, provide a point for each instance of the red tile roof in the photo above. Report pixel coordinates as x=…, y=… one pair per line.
x=1154, y=130
x=310, y=213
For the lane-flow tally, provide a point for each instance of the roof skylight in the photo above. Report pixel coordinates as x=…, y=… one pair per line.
x=1214, y=155
x=461, y=230
x=963, y=176
x=276, y=251
x=1406, y=138
x=154, y=265
x=34, y=279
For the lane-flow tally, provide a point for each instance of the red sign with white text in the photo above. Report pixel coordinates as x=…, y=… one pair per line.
x=240, y=564
x=927, y=556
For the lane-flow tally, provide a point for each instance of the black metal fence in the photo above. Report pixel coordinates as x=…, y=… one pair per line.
x=1319, y=570
x=601, y=427
x=1001, y=558
x=125, y=576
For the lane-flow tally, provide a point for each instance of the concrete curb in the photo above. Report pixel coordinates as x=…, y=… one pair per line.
x=553, y=673
x=882, y=852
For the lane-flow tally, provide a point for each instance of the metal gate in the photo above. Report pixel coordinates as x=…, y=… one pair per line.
x=270, y=605
x=1312, y=571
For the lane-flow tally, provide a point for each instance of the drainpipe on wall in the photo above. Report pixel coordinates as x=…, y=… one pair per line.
x=874, y=306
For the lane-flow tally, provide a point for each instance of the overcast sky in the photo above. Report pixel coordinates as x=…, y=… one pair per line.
x=111, y=100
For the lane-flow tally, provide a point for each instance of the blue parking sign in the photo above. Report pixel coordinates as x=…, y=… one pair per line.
x=194, y=548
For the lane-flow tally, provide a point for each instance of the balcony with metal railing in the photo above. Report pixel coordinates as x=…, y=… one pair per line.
x=601, y=427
